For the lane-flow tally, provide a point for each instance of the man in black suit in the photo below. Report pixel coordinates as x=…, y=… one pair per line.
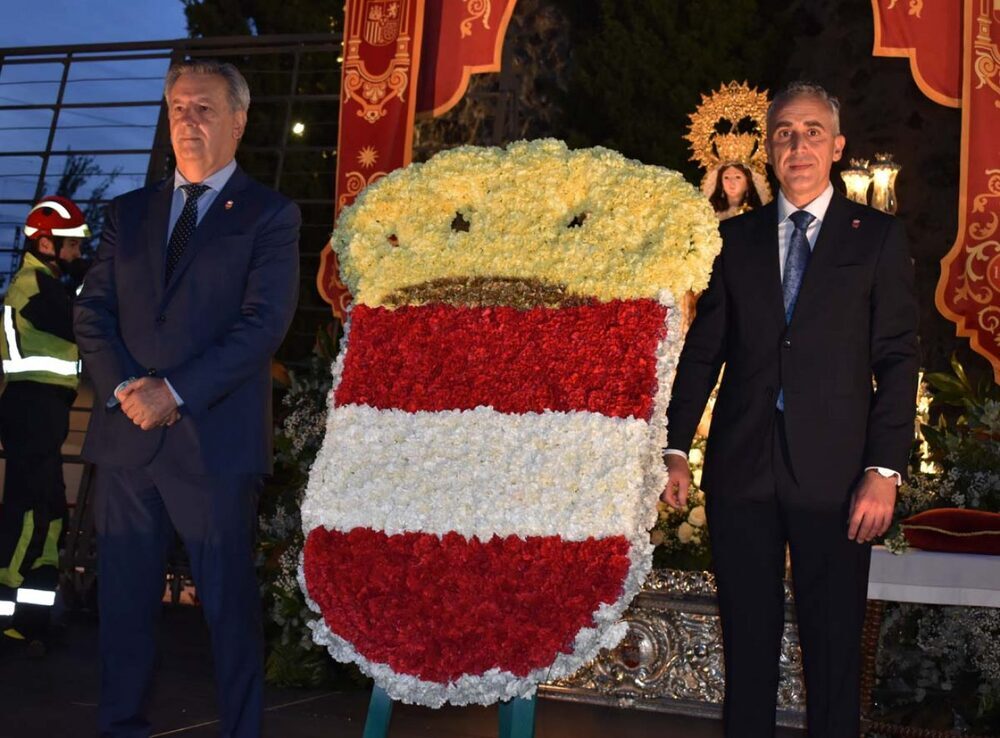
x=810, y=299
x=194, y=286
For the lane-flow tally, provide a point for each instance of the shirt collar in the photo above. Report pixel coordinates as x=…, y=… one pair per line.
x=214, y=181
x=817, y=208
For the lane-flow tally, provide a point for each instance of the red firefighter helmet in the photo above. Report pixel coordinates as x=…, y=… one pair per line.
x=55, y=216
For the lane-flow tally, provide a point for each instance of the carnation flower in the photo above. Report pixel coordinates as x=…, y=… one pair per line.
x=697, y=516
x=685, y=532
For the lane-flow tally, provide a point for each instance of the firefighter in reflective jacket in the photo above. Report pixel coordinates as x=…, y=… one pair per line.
x=41, y=370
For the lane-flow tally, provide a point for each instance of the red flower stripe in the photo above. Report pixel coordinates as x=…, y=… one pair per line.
x=599, y=357
x=439, y=607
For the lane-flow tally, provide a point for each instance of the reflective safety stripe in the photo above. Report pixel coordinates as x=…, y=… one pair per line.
x=18, y=364
x=81, y=231
x=6, y=608
x=41, y=364
x=44, y=597
x=10, y=332
x=52, y=205
x=50, y=549
x=10, y=575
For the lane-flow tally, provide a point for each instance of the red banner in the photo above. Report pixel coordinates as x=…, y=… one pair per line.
x=384, y=42
x=968, y=291
x=930, y=35
x=460, y=39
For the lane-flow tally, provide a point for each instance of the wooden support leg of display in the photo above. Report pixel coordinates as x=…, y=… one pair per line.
x=517, y=718
x=379, y=714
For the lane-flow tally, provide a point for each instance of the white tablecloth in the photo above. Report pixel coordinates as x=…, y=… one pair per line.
x=935, y=578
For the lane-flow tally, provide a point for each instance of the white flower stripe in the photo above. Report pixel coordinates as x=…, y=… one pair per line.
x=479, y=473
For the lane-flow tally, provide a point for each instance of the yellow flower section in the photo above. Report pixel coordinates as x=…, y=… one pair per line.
x=644, y=229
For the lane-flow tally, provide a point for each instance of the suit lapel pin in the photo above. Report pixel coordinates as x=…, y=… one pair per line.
x=229, y=206
x=854, y=223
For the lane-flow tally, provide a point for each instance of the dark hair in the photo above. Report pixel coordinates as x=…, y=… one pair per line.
x=720, y=203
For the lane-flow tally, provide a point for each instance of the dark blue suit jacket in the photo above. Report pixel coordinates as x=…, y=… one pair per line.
x=211, y=331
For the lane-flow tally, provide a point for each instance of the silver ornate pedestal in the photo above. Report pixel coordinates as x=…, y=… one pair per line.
x=671, y=658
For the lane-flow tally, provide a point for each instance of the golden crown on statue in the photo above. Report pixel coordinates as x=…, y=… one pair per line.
x=736, y=147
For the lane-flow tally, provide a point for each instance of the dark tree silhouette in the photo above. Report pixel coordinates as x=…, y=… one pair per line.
x=79, y=171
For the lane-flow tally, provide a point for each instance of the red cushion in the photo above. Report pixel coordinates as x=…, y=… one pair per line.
x=954, y=530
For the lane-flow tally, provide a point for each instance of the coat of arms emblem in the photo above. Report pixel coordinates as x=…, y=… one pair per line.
x=382, y=20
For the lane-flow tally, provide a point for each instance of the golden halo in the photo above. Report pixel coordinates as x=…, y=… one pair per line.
x=731, y=103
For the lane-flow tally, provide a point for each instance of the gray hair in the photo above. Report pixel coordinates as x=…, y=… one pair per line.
x=236, y=85
x=805, y=89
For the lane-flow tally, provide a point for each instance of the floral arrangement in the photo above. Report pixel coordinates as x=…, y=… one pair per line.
x=681, y=536
x=939, y=667
x=478, y=516
x=958, y=463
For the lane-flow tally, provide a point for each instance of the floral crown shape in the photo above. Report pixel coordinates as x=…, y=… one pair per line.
x=591, y=221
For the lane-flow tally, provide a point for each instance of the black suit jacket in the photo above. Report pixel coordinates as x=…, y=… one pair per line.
x=855, y=321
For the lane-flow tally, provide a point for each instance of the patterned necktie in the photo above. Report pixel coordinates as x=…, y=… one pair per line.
x=796, y=261
x=184, y=227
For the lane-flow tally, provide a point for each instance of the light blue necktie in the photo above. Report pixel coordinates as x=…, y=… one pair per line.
x=796, y=261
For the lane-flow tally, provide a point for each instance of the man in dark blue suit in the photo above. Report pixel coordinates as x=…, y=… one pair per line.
x=192, y=291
